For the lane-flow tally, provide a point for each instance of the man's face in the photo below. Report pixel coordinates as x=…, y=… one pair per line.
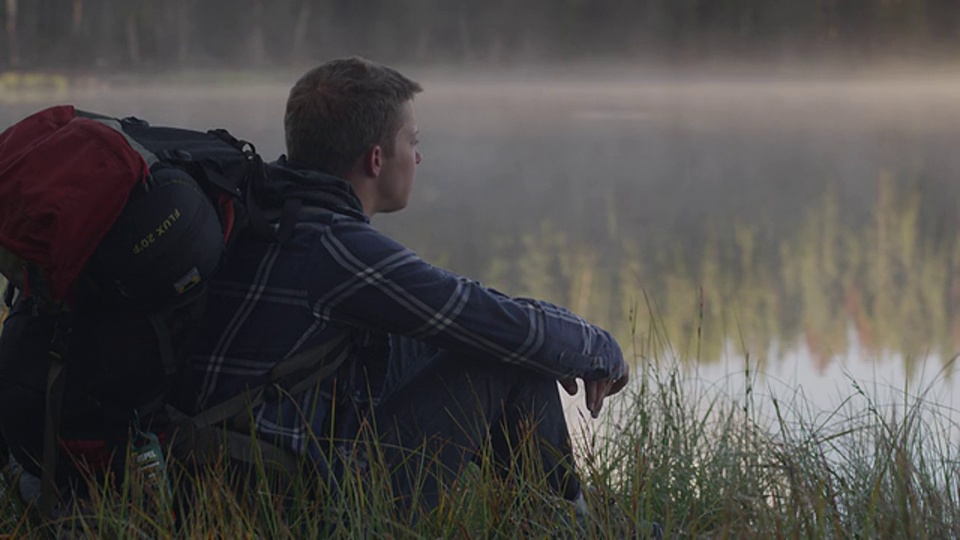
x=396, y=177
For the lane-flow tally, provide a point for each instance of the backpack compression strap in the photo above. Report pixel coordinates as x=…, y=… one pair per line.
x=51, y=424
x=313, y=361
x=204, y=437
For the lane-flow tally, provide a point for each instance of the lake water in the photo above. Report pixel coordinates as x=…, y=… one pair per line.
x=804, y=227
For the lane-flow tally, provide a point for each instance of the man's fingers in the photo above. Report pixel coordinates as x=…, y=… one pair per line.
x=590, y=391
x=619, y=384
x=570, y=385
x=596, y=392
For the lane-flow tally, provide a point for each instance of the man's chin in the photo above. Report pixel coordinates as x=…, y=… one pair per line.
x=392, y=209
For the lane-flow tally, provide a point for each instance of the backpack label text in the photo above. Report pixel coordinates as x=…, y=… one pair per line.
x=161, y=229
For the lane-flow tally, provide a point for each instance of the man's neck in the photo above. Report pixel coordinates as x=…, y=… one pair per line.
x=364, y=188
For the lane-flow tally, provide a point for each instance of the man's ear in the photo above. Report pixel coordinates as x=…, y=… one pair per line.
x=373, y=161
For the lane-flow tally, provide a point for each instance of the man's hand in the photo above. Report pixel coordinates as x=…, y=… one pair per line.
x=597, y=391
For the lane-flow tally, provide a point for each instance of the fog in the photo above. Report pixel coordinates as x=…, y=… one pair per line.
x=669, y=169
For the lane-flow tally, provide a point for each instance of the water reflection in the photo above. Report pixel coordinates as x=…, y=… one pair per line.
x=891, y=277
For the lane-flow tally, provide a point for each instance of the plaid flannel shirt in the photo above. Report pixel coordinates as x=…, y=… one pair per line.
x=337, y=275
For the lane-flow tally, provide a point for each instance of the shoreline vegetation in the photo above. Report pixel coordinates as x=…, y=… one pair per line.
x=701, y=462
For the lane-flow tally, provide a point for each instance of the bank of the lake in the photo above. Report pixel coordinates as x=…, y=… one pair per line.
x=703, y=462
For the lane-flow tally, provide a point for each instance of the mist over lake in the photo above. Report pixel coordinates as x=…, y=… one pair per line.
x=804, y=228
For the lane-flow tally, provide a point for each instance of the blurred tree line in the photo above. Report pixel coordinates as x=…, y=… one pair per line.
x=86, y=34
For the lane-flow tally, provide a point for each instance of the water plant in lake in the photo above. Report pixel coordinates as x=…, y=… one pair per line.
x=884, y=279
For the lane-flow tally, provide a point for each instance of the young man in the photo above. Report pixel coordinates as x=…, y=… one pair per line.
x=435, y=362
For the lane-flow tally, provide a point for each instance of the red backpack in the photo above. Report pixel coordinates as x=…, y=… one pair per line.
x=109, y=230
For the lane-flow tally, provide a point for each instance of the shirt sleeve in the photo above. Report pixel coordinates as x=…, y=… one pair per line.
x=365, y=279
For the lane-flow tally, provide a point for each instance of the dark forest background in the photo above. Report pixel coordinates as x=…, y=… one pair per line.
x=172, y=34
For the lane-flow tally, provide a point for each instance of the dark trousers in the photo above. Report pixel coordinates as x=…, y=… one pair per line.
x=445, y=407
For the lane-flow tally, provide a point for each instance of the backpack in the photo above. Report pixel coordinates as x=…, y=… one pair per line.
x=109, y=232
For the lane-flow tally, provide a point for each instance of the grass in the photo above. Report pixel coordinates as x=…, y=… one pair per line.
x=703, y=462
